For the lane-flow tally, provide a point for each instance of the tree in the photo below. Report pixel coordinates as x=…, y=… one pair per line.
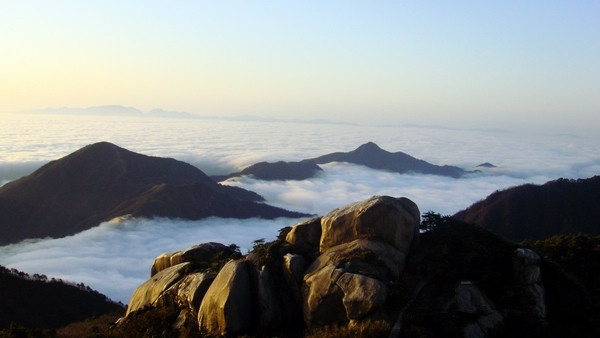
x=430, y=220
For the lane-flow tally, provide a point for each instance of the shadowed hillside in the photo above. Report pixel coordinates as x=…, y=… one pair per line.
x=278, y=171
x=368, y=154
x=540, y=211
x=372, y=156
x=102, y=181
x=36, y=302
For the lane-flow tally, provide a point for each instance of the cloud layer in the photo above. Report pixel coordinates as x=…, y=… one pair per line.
x=116, y=257
x=343, y=183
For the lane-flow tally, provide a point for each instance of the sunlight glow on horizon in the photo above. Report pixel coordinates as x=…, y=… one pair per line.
x=385, y=61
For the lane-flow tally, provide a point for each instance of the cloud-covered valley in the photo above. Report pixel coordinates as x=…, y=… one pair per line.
x=115, y=257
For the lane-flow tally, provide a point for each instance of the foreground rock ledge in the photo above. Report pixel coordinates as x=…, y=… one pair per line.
x=330, y=269
x=344, y=267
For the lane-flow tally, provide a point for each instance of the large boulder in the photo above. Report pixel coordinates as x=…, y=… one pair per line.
x=305, y=236
x=150, y=291
x=200, y=254
x=227, y=304
x=393, y=220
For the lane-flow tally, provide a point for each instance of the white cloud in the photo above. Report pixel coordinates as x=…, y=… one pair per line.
x=115, y=257
x=343, y=183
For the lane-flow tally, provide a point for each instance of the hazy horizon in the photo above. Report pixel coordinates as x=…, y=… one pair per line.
x=506, y=64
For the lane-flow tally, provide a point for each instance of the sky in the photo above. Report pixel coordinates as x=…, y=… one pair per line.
x=450, y=62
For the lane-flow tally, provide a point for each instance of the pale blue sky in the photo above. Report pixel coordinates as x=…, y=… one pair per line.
x=519, y=62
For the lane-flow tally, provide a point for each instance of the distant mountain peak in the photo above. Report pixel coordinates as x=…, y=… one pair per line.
x=369, y=146
x=486, y=165
x=372, y=156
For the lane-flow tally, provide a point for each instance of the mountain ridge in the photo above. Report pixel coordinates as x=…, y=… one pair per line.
x=34, y=301
x=368, y=154
x=102, y=181
x=533, y=211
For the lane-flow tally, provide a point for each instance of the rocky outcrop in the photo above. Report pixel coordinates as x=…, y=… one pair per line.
x=354, y=267
x=347, y=281
x=527, y=275
x=362, y=243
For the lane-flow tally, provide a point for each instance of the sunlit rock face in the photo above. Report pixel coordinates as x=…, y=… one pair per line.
x=148, y=293
x=227, y=305
x=347, y=281
x=362, y=245
x=392, y=220
x=199, y=253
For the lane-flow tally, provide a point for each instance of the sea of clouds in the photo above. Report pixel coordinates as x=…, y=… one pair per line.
x=115, y=257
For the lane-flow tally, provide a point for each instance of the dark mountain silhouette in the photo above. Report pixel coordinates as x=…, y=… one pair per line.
x=102, y=181
x=537, y=212
x=370, y=155
x=278, y=171
x=486, y=165
x=36, y=302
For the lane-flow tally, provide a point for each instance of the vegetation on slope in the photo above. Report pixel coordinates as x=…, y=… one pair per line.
x=38, y=302
x=540, y=211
